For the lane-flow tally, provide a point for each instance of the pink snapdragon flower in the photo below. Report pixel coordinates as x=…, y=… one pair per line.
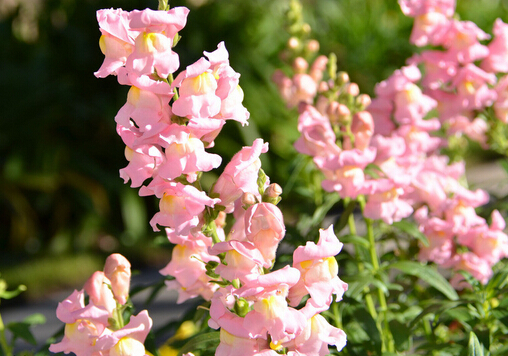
x=118, y=270
x=497, y=60
x=344, y=172
x=384, y=202
x=439, y=234
x=270, y=312
x=117, y=40
x=83, y=325
x=462, y=41
x=185, y=154
x=316, y=337
x=317, y=136
x=180, y=205
x=489, y=243
x=240, y=175
x=98, y=287
x=501, y=104
x=188, y=266
x=264, y=227
x=142, y=163
x=318, y=271
x=469, y=262
x=129, y=340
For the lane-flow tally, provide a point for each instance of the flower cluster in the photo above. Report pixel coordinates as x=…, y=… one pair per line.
x=461, y=88
x=168, y=124
x=98, y=328
x=385, y=152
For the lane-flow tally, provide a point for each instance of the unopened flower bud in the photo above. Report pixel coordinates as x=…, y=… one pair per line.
x=306, y=28
x=293, y=43
x=248, y=199
x=300, y=65
x=221, y=219
x=363, y=100
x=313, y=46
x=323, y=86
x=353, y=89
x=241, y=307
x=342, y=78
x=273, y=191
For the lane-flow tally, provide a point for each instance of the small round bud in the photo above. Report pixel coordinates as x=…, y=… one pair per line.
x=248, y=199
x=342, y=78
x=353, y=89
x=273, y=191
x=300, y=65
x=313, y=46
x=306, y=28
x=363, y=100
x=293, y=43
x=323, y=86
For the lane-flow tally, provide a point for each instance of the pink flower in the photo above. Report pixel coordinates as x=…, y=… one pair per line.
x=497, y=61
x=117, y=40
x=362, y=128
x=318, y=271
x=142, y=163
x=501, y=104
x=98, y=287
x=316, y=337
x=439, y=234
x=461, y=40
x=188, y=266
x=414, y=8
x=180, y=205
x=118, y=270
x=84, y=324
x=232, y=345
x=240, y=174
x=146, y=108
x=241, y=259
x=344, y=172
x=270, y=312
x=479, y=268
x=384, y=202
x=439, y=66
x=488, y=243
x=318, y=138
x=264, y=227
x=129, y=340
x=471, y=84
x=185, y=154
x=197, y=92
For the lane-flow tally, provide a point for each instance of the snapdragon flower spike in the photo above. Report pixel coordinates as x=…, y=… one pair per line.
x=93, y=330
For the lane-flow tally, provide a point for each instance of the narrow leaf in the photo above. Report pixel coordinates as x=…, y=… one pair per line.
x=427, y=274
x=199, y=341
x=474, y=347
x=411, y=230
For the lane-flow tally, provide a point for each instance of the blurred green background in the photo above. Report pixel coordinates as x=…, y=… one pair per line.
x=63, y=205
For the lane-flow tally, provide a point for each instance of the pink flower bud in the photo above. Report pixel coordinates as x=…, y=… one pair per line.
x=118, y=269
x=98, y=288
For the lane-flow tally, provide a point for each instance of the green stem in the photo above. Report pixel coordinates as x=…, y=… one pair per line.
x=3, y=341
x=388, y=343
x=368, y=297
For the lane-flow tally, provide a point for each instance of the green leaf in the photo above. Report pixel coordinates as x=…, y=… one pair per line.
x=427, y=274
x=412, y=230
x=435, y=308
x=22, y=330
x=199, y=341
x=474, y=347
x=345, y=216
